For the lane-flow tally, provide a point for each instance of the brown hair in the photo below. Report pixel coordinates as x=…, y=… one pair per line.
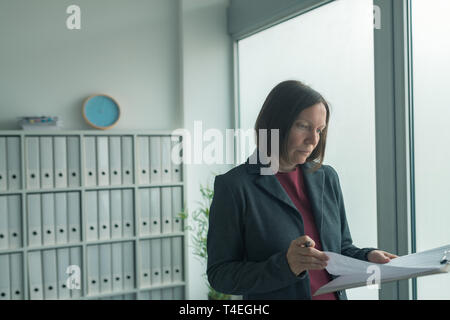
x=282, y=107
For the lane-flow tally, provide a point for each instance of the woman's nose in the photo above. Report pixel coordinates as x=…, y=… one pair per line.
x=313, y=138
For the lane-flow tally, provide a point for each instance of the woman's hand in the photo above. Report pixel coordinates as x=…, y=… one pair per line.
x=301, y=258
x=378, y=256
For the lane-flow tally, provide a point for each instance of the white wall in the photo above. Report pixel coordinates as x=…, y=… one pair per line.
x=127, y=49
x=206, y=96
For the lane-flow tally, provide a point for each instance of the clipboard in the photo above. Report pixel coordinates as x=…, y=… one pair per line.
x=353, y=273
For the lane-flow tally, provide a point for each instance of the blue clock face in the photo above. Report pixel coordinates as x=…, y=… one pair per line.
x=101, y=111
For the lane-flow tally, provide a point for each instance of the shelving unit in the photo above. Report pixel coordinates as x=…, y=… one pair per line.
x=91, y=215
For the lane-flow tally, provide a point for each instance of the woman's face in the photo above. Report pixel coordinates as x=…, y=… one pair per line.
x=305, y=134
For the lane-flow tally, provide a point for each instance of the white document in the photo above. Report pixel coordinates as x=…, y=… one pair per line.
x=357, y=273
x=77, y=281
x=32, y=162
x=104, y=215
x=60, y=156
x=166, y=250
x=156, y=257
x=3, y=157
x=176, y=158
x=14, y=161
x=73, y=161
x=155, y=211
x=177, y=259
x=177, y=205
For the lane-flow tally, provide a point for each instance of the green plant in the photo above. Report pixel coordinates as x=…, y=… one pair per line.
x=199, y=228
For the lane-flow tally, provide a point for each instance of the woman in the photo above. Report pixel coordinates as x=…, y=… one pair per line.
x=267, y=233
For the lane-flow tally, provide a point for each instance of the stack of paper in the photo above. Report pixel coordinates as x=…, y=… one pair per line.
x=357, y=273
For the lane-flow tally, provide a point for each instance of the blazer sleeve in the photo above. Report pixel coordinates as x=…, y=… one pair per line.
x=228, y=270
x=347, y=247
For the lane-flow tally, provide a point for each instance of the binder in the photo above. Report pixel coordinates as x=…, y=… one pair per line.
x=155, y=160
x=166, y=250
x=127, y=160
x=50, y=274
x=34, y=220
x=73, y=161
x=46, y=161
x=128, y=213
x=155, y=247
x=103, y=161
x=143, y=156
x=145, y=264
x=35, y=275
x=115, y=160
x=60, y=156
x=144, y=197
x=14, y=162
x=76, y=260
x=90, y=148
x=128, y=265
x=61, y=216
x=91, y=216
x=15, y=221
x=105, y=268
x=16, y=264
x=117, y=269
x=177, y=259
x=5, y=289
x=177, y=207
x=166, y=174
x=93, y=269
x=176, y=156
x=4, y=239
x=48, y=218
x=116, y=214
x=3, y=164
x=166, y=210
x=32, y=163
x=104, y=215
x=74, y=217
x=155, y=211
x=63, y=260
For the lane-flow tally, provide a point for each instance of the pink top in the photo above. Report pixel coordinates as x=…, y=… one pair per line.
x=294, y=186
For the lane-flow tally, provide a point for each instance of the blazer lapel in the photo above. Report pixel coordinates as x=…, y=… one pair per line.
x=272, y=186
x=315, y=183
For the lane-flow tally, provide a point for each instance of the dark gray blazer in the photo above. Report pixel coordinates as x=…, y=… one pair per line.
x=252, y=222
